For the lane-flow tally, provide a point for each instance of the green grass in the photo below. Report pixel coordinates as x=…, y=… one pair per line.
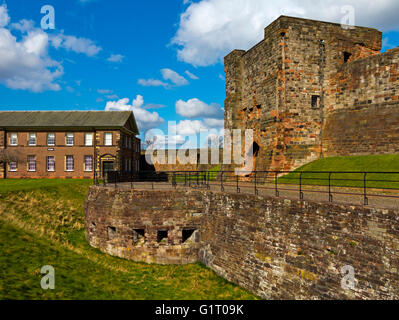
x=377, y=163
x=10, y=185
x=210, y=174
x=42, y=223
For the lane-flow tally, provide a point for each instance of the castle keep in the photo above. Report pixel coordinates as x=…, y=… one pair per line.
x=312, y=89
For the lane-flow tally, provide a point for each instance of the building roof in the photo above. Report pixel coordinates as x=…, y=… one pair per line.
x=67, y=119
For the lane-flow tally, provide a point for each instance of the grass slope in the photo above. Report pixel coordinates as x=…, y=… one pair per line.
x=42, y=223
x=376, y=163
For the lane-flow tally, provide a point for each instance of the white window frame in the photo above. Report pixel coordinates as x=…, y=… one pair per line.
x=92, y=163
x=33, y=161
x=86, y=140
x=108, y=134
x=10, y=168
x=11, y=139
x=48, y=135
x=73, y=139
x=32, y=134
x=66, y=163
x=47, y=164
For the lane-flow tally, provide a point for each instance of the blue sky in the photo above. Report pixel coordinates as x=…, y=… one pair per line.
x=164, y=56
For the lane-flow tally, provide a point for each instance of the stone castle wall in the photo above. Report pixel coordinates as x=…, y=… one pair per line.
x=126, y=224
x=363, y=107
x=305, y=78
x=275, y=248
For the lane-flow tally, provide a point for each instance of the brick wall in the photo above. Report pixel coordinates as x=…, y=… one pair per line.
x=41, y=151
x=275, y=248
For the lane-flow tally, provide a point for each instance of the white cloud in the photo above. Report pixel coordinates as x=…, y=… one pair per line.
x=25, y=64
x=4, y=17
x=174, y=77
x=195, y=108
x=167, y=74
x=75, y=44
x=71, y=43
x=191, y=75
x=152, y=83
x=116, y=58
x=214, y=123
x=189, y=127
x=209, y=29
x=104, y=91
x=160, y=141
x=145, y=119
x=23, y=25
x=112, y=96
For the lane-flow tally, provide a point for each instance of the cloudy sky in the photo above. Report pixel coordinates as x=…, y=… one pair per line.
x=161, y=59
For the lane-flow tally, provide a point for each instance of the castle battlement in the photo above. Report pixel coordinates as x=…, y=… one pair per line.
x=290, y=85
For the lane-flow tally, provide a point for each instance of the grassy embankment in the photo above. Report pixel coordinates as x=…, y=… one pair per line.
x=42, y=223
x=377, y=163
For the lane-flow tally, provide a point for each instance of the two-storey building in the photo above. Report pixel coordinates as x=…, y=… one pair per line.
x=68, y=144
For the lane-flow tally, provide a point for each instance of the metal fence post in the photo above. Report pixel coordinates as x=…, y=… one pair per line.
x=238, y=188
x=366, y=200
x=221, y=182
x=276, y=185
x=185, y=179
x=256, y=190
x=300, y=187
x=330, y=196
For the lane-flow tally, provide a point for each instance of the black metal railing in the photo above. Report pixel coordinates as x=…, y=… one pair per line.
x=329, y=182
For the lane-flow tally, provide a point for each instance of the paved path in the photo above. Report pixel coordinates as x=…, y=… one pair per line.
x=354, y=196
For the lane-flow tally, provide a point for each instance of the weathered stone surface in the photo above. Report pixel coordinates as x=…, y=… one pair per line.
x=123, y=213
x=275, y=248
x=313, y=86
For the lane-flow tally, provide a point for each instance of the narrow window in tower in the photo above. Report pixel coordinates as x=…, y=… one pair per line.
x=347, y=56
x=315, y=102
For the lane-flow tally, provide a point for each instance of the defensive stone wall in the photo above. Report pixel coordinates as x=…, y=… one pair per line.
x=307, y=86
x=363, y=107
x=148, y=226
x=275, y=248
